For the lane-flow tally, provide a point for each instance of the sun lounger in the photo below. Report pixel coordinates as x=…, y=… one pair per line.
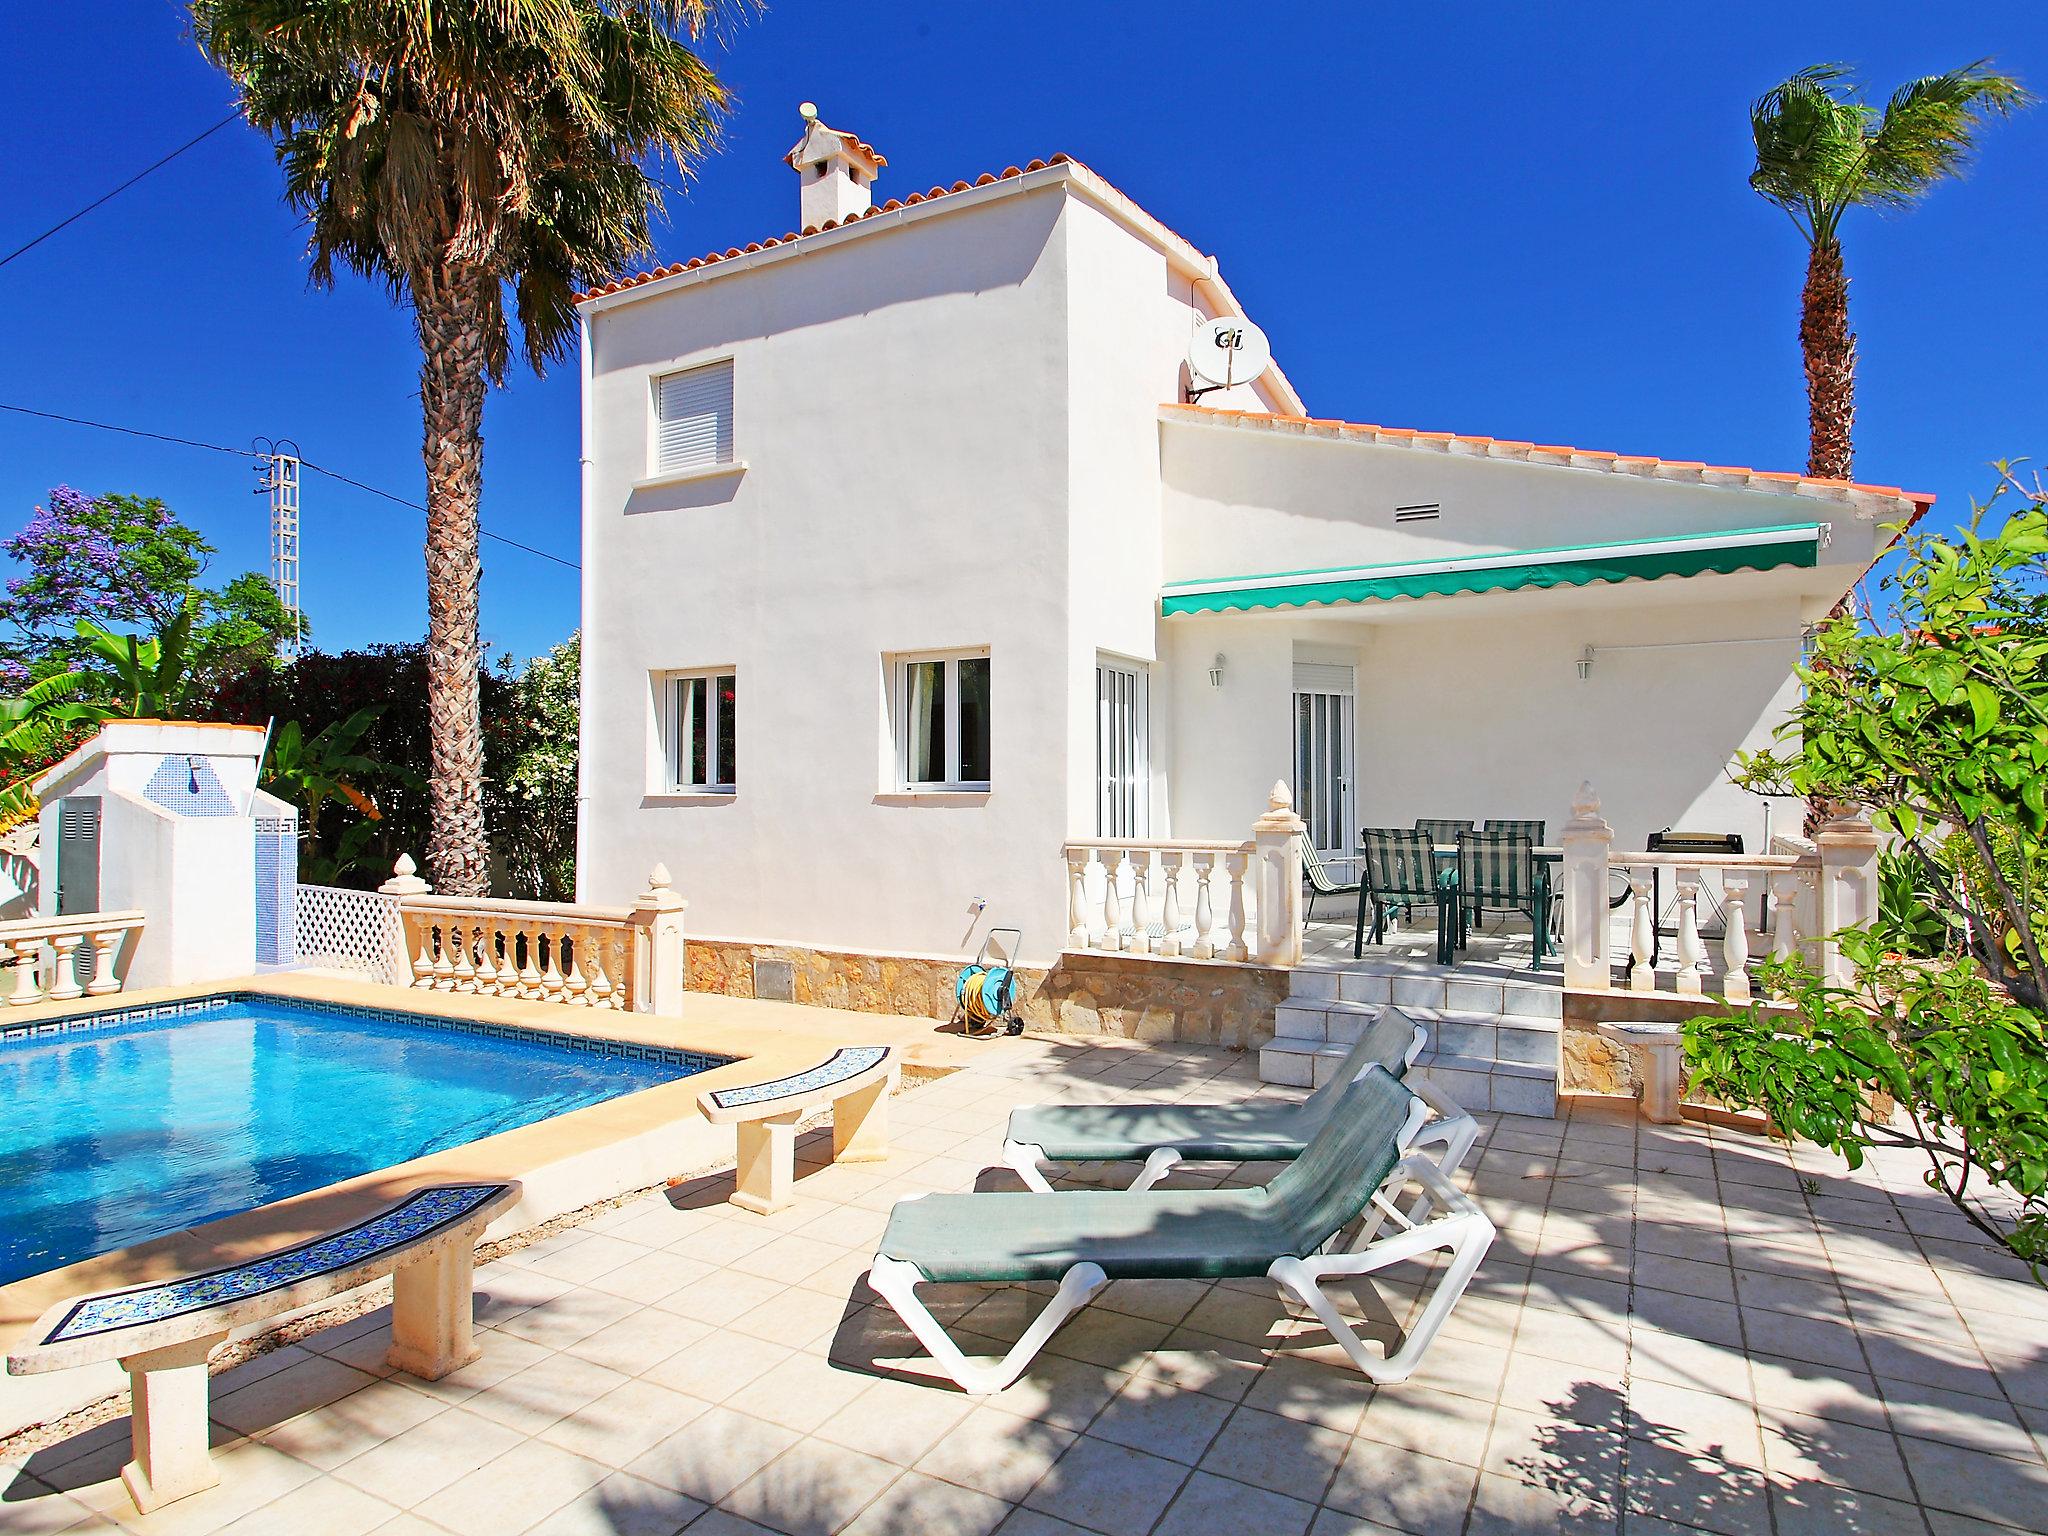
x=1358, y=1164
x=1165, y=1134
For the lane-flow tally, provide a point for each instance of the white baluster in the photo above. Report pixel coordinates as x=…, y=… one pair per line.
x=1642, y=975
x=1784, y=915
x=444, y=966
x=1112, y=903
x=1735, y=943
x=1205, y=912
x=575, y=985
x=1169, y=912
x=1235, y=863
x=63, y=973
x=529, y=970
x=1077, y=898
x=1692, y=954
x=624, y=995
x=423, y=956
x=590, y=956
x=487, y=958
x=106, y=949
x=1141, y=901
x=551, y=973
x=462, y=973
x=28, y=959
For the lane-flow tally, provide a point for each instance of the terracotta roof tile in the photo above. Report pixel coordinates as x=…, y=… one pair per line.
x=1508, y=448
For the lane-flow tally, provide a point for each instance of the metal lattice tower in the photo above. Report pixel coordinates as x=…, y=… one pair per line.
x=277, y=472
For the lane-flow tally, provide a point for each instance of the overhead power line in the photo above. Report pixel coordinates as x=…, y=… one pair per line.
x=250, y=453
x=110, y=196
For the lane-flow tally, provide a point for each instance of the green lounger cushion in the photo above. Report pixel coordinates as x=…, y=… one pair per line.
x=1165, y=1234
x=1258, y=1132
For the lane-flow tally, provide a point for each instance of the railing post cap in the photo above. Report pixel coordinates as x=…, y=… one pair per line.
x=1279, y=815
x=1586, y=818
x=660, y=895
x=405, y=880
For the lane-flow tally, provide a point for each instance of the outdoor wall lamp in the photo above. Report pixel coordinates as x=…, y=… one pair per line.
x=1585, y=663
x=1216, y=671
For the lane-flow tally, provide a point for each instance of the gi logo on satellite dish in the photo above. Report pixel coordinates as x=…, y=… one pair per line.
x=1227, y=351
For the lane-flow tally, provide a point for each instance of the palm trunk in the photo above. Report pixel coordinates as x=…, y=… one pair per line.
x=452, y=332
x=1830, y=350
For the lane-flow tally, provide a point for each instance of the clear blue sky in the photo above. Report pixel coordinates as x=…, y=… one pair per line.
x=1516, y=220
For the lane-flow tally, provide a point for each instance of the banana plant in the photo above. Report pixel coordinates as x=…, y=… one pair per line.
x=311, y=771
x=147, y=679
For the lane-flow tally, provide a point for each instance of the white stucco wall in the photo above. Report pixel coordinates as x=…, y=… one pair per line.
x=901, y=402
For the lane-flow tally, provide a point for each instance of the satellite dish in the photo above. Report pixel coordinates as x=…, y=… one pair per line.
x=1227, y=351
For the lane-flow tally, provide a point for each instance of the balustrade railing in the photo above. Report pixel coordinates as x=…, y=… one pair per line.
x=56, y=959
x=1781, y=904
x=1190, y=898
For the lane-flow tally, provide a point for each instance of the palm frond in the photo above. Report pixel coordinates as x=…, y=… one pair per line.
x=1927, y=131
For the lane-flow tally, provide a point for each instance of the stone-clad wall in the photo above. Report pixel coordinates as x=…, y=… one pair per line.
x=1202, y=1002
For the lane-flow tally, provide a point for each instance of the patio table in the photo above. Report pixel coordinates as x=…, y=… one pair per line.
x=1546, y=854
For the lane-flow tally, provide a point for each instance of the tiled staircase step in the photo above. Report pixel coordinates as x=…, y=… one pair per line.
x=1302, y=1018
x=1296, y=1062
x=1504, y=1087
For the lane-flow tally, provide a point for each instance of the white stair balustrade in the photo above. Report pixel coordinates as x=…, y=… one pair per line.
x=57, y=959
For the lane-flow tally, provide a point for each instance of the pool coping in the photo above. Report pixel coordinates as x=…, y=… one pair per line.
x=561, y=1163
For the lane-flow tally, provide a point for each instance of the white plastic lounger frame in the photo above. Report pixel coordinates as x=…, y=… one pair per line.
x=1452, y=1129
x=1461, y=1228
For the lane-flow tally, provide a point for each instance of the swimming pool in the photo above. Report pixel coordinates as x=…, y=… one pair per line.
x=127, y=1125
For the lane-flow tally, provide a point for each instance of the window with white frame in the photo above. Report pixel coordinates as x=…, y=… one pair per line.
x=942, y=721
x=1123, y=775
x=693, y=419
x=701, y=731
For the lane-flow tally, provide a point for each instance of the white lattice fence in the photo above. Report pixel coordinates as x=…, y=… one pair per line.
x=355, y=931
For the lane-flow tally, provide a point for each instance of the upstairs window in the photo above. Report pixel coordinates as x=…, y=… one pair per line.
x=942, y=722
x=693, y=419
x=703, y=732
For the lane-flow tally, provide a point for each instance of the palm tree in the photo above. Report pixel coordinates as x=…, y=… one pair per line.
x=1822, y=150
x=465, y=153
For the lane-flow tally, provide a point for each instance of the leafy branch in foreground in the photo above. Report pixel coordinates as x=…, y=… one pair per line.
x=1937, y=726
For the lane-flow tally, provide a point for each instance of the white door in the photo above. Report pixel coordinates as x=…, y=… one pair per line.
x=1123, y=772
x=1324, y=769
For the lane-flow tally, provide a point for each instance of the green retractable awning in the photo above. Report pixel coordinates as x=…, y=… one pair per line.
x=1740, y=549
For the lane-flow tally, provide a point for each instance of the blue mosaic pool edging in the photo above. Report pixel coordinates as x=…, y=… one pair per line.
x=668, y=1056
x=417, y=1216
x=847, y=1061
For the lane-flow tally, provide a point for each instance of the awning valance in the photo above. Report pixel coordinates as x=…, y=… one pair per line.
x=1740, y=549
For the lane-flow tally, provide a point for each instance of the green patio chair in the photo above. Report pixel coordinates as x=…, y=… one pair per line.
x=1163, y=1135
x=1497, y=872
x=1317, y=878
x=1357, y=1165
x=1398, y=870
x=1532, y=830
x=1443, y=833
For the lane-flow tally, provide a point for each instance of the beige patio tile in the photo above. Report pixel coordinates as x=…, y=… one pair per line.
x=1327, y=1394
x=1206, y=1363
x=1820, y=1340
x=718, y=1243
x=1801, y=1449
x=712, y=1454
x=720, y=1296
x=1557, y=1452
x=622, y=1505
x=1687, y=1277
x=1412, y=1492
x=514, y=1491
x=419, y=1462
x=1536, y=1384
x=897, y=1420
x=1433, y=1423
x=598, y=1254
x=717, y=1366
x=537, y=1396
x=504, y=1354
x=812, y=1489
x=30, y=1508
x=917, y=1505
x=801, y=1392
x=251, y=1476
x=311, y=1383
x=1725, y=1427
x=1961, y=1419
x=1954, y=1364
x=797, y=1317
x=1107, y=1487
x=1290, y=1456
x=844, y=1278
x=616, y=1428
x=1113, y=1339
x=503, y=1291
x=322, y=1507
x=1207, y=1504
x=1594, y=1344
x=1059, y=1391
x=633, y=1344
x=996, y=1453
x=2010, y=1491
x=571, y=1316
x=788, y=1258
x=1147, y=1415
x=332, y=1435
x=1816, y=1509
x=1506, y=1507
x=1822, y=1391
x=1693, y=1489
x=647, y=1280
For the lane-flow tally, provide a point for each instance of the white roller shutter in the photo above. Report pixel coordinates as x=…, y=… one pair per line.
x=693, y=419
x=1321, y=677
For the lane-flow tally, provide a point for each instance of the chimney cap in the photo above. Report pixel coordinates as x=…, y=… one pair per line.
x=821, y=142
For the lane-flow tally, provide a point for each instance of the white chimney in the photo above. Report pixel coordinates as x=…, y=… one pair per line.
x=835, y=173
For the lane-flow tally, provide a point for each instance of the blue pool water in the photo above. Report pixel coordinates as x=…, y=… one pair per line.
x=132, y=1129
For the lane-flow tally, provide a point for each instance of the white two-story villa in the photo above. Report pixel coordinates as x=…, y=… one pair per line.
x=909, y=559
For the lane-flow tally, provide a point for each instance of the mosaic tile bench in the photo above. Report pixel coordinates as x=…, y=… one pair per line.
x=855, y=1079
x=163, y=1333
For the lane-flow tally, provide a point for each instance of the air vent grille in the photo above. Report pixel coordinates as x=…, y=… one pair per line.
x=1418, y=512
